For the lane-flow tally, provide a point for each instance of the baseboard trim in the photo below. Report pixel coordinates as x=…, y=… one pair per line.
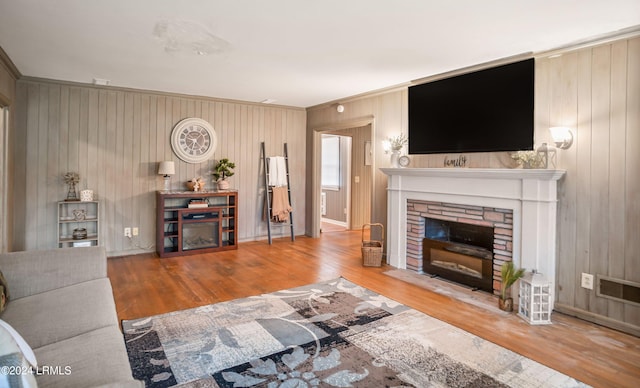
x=598, y=319
x=334, y=222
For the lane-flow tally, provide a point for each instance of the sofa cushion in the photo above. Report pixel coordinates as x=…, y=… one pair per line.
x=33, y=272
x=17, y=360
x=90, y=359
x=63, y=313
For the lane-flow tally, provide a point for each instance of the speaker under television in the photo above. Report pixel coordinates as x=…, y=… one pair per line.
x=489, y=110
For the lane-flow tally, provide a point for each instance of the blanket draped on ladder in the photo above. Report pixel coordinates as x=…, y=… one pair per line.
x=280, y=207
x=277, y=171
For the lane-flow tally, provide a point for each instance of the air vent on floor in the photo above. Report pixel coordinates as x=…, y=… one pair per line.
x=618, y=289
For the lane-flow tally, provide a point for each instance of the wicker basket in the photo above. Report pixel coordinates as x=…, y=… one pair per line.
x=372, y=249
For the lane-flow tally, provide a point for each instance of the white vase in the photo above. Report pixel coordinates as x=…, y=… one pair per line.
x=223, y=185
x=395, y=155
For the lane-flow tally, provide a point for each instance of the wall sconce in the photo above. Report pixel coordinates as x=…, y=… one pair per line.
x=340, y=108
x=167, y=168
x=386, y=146
x=562, y=137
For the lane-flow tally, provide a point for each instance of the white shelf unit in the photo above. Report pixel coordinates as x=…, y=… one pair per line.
x=68, y=222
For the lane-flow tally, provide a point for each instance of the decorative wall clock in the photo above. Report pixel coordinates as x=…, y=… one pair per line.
x=194, y=140
x=404, y=161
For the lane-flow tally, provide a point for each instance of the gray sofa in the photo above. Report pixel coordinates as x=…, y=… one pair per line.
x=61, y=302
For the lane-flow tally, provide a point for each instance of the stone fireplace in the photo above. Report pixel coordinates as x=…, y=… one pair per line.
x=519, y=204
x=464, y=243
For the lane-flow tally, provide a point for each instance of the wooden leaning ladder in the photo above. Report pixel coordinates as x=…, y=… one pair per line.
x=269, y=194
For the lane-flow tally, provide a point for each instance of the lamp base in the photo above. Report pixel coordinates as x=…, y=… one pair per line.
x=167, y=183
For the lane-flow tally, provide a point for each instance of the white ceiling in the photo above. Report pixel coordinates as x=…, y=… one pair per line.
x=296, y=52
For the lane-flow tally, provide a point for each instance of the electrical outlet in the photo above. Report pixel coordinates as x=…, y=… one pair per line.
x=135, y=231
x=587, y=281
x=127, y=232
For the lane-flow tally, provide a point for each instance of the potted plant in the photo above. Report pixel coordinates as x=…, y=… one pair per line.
x=394, y=145
x=528, y=159
x=222, y=171
x=509, y=275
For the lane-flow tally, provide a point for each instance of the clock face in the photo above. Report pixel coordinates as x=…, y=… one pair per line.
x=404, y=161
x=194, y=140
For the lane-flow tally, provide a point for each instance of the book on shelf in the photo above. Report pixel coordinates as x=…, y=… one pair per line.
x=197, y=204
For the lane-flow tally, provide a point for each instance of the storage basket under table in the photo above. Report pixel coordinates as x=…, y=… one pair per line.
x=372, y=249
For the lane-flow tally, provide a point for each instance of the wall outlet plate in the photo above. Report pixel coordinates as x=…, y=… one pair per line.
x=587, y=281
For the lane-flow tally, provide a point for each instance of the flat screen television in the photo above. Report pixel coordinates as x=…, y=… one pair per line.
x=488, y=110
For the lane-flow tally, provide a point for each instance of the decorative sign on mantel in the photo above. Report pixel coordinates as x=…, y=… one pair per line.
x=461, y=161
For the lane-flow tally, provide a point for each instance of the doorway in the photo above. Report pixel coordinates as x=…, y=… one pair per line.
x=359, y=176
x=335, y=182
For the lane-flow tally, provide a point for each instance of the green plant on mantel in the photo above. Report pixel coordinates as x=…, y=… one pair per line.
x=509, y=275
x=223, y=169
x=528, y=159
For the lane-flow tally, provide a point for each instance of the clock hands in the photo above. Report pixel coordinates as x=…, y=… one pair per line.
x=194, y=140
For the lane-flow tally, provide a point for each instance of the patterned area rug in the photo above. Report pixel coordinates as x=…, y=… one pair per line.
x=333, y=334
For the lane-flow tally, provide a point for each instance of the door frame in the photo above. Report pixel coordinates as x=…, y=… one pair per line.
x=316, y=186
x=4, y=176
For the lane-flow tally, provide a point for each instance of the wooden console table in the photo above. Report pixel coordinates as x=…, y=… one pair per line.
x=189, y=222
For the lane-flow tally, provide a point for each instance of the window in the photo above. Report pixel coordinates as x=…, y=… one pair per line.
x=331, y=178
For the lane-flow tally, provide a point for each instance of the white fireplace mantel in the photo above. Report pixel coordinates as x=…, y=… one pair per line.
x=530, y=193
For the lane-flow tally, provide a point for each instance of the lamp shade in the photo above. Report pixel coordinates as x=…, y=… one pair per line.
x=167, y=168
x=562, y=137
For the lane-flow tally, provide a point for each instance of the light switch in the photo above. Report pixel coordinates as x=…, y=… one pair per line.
x=356, y=179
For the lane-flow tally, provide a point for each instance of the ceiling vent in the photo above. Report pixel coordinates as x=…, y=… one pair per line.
x=101, y=82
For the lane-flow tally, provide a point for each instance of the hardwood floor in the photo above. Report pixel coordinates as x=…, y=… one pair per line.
x=146, y=285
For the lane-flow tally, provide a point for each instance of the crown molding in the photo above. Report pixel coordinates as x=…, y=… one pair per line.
x=373, y=93
x=627, y=33
x=9, y=65
x=29, y=79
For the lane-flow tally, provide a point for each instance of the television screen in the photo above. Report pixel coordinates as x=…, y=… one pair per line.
x=483, y=111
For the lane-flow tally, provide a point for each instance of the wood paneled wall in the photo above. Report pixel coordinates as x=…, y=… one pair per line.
x=8, y=76
x=336, y=200
x=115, y=138
x=595, y=90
